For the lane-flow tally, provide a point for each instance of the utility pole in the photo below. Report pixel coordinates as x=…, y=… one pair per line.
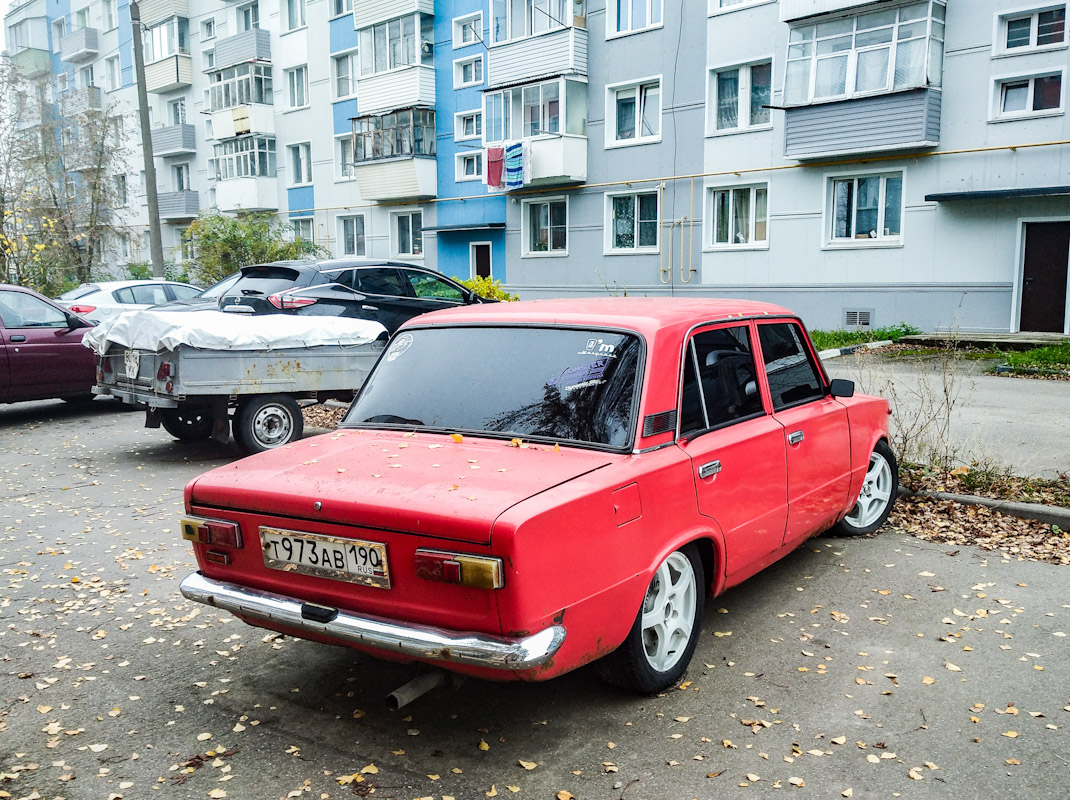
x=155, y=242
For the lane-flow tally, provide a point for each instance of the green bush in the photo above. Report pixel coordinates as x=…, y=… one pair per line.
x=225, y=244
x=486, y=287
x=1054, y=357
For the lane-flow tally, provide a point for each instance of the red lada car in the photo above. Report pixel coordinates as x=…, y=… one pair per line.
x=523, y=488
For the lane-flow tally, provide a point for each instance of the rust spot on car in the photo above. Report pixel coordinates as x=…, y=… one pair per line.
x=560, y=618
x=518, y=634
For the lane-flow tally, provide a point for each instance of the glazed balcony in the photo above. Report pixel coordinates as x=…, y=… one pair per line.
x=78, y=101
x=174, y=140
x=32, y=62
x=178, y=206
x=247, y=194
x=558, y=52
x=558, y=159
x=79, y=45
x=168, y=74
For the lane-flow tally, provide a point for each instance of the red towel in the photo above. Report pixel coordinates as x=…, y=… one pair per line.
x=495, y=162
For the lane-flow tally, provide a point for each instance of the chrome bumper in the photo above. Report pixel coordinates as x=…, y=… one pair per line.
x=408, y=639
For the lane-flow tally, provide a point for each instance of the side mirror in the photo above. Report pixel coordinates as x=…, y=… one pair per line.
x=74, y=322
x=841, y=388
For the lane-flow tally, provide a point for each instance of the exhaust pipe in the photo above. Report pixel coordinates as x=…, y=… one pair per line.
x=417, y=687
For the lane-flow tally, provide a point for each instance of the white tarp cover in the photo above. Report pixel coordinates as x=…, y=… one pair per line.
x=219, y=330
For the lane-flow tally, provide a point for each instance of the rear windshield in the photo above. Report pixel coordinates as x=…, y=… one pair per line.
x=556, y=384
x=217, y=289
x=266, y=280
x=79, y=291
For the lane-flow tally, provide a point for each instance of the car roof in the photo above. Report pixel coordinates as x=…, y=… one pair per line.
x=645, y=315
x=11, y=287
x=330, y=264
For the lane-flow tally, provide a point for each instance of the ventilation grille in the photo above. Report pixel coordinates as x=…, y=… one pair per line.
x=653, y=424
x=857, y=317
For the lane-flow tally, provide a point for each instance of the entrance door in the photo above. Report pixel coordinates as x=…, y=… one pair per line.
x=1047, y=251
x=480, y=259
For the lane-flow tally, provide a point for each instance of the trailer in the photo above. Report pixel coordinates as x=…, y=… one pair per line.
x=206, y=373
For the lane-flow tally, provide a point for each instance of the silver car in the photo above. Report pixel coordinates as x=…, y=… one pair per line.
x=104, y=299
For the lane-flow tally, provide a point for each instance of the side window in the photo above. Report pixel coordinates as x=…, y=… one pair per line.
x=20, y=310
x=149, y=294
x=720, y=380
x=124, y=295
x=793, y=378
x=425, y=285
x=184, y=292
x=382, y=281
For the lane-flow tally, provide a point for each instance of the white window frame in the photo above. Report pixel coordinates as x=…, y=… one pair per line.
x=536, y=21
x=999, y=35
x=209, y=59
x=395, y=243
x=113, y=73
x=728, y=6
x=341, y=171
x=459, y=119
x=612, y=90
x=525, y=228
x=301, y=14
x=180, y=174
x=297, y=87
x=458, y=72
x=209, y=133
x=357, y=251
x=744, y=98
x=607, y=224
x=349, y=58
x=345, y=5
x=122, y=190
x=472, y=257
x=858, y=242
x=612, y=7
x=207, y=29
x=710, y=243
x=462, y=159
x=109, y=14
x=303, y=153
x=996, y=112
x=250, y=11
x=473, y=22
x=300, y=222
x=176, y=108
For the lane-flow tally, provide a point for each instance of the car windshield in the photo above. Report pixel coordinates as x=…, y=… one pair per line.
x=217, y=289
x=557, y=384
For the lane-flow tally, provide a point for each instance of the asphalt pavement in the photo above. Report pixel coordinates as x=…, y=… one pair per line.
x=868, y=667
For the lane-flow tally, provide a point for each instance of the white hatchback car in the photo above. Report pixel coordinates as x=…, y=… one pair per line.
x=105, y=299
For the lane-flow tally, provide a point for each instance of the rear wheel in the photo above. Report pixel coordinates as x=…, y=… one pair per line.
x=877, y=496
x=187, y=425
x=267, y=422
x=663, y=637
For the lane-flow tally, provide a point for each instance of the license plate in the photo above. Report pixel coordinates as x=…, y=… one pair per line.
x=131, y=363
x=326, y=557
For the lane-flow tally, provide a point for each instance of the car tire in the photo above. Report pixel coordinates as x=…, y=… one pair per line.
x=665, y=632
x=877, y=496
x=266, y=422
x=187, y=425
x=79, y=399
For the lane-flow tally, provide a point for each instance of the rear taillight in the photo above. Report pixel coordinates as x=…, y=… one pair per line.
x=105, y=364
x=164, y=371
x=216, y=532
x=479, y=572
x=77, y=309
x=285, y=301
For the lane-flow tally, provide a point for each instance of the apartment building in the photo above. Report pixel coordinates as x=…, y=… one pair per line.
x=865, y=163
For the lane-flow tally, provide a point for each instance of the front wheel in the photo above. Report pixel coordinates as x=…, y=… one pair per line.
x=877, y=496
x=264, y=423
x=663, y=637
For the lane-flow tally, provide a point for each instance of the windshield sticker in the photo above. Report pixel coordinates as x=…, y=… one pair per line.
x=581, y=376
x=399, y=346
x=599, y=347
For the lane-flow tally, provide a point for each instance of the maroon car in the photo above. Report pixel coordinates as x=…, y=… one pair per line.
x=41, y=352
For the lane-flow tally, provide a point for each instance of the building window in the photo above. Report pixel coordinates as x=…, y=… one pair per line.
x=467, y=30
x=113, y=72
x=167, y=39
x=249, y=17
x=408, y=132
x=108, y=12
x=1039, y=29
x=469, y=166
x=209, y=134
x=340, y=7
x=467, y=72
x=867, y=208
x=248, y=157
x=632, y=223
x=351, y=235
x=303, y=228
x=297, y=82
x=740, y=97
x=295, y=14
x=877, y=52
x=208, y=28
x=240, y=85
x=534, y=110
x=180, y=177
x=1026, y=97
x=394, y=44
x=546, y=224
x=468, y=125
x=185, y=244
x=209, y=59
x=626, y=16
x=409, y=234
x=178, y=111
x=740, y=216
x=514, y=19
x=726, y=5
x=636, y=111
x=345, y=157
x=121, y=196
x=345, y=78
x=300, y=163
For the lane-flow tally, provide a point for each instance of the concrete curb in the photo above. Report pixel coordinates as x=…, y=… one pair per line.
x=825, y=355
x=1049, y=515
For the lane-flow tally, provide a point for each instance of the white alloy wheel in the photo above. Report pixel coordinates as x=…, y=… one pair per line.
x=876, y=495
x=669, y=612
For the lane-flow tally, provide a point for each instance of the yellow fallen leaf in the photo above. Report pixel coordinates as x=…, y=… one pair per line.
x=217, y=794
x=928, y=681
x=949, y=666
x=564, y=795
x=434, y=776
x=527, y=764
x=203, y=737
x=458, y=438
x=797, y=782
x=872, y=759
x=43, y=709
x=493, y=790
x=848, y=792
x=98, y=748
x=1010, y=734
x=1012, y=762
x=914, y=775
x=483, y=745
x=371, y=769
x=513, y=789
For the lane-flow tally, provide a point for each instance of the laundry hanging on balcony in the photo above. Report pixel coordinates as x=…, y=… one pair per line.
x=495, y=165
x=514, y=165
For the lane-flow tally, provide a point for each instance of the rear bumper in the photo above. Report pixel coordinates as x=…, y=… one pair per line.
x=406, y=639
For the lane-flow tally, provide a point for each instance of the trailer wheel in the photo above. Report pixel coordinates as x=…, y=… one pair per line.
x=266, y=422
x=187, y=425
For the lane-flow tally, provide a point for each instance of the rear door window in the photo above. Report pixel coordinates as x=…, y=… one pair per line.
x=430, y=286
x=382, y=280
x=183, y=292
x=720, y=380
x=793, y=376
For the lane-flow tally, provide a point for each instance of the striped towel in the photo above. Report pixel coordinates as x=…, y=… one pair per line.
x=514, y=165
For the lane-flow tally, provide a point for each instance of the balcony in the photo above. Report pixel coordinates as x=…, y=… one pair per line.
x=791, y=10
x=153, y=11
x=372, y=13
x=556, y=160
x=178, y=206
x=253, y=45
x=413, y=86
x=32, y=62
x=79, y=101
x=401, y=178
x=30, y=115
x=242, y=120
x=79, y=45
x=906, y=120
x=558, y=52
x=168, y=74
x=247, y=194
x=174, y=140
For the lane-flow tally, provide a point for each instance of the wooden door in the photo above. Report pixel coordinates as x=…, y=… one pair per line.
x=1047, y=251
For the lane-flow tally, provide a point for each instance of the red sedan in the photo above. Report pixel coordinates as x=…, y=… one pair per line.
x=523, y=488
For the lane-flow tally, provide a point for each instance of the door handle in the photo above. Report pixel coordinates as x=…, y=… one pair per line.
x=18, y=337
x=369, y=308
x=709, y=470
x=796, y=437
